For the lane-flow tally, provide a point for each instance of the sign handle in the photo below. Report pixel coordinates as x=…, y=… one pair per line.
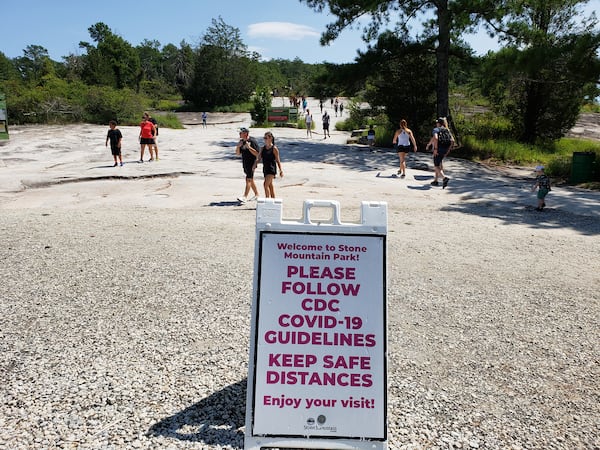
x=332, y=204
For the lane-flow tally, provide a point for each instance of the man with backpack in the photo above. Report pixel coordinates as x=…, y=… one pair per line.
x=441, y=141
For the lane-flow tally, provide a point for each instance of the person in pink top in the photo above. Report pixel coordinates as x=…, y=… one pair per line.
x=147, y=132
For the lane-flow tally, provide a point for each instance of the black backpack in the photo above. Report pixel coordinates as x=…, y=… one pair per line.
x=444, y=137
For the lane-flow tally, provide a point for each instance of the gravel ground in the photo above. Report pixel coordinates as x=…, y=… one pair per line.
x=129, y=328
x=126, y=294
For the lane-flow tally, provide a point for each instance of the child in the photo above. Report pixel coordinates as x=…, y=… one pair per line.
x=542, y=184
x=115, y=136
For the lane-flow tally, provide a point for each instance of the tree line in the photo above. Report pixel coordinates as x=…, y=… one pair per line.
x=547, y=68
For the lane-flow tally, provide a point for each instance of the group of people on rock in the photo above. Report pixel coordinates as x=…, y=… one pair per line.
x=148, y=138
x=440, y=143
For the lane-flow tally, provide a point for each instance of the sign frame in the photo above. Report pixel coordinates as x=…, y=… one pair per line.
x=350, y=428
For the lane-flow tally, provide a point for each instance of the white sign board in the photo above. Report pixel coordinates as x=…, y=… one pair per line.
x=318, y=353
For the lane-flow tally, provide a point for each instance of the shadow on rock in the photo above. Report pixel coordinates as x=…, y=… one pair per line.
x=215, y=420
x=512, y=212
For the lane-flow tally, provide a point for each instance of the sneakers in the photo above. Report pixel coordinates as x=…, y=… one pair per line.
x=141, y=161
x=115, y=165
x=121, y=164
x=242, y=200
x=251, y=199
x=435, y=183
x=402, y=176
x=445, y=182
x=399, y=171
x=151, y=159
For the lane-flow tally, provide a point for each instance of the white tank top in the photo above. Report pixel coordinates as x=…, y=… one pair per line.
x=403, y=139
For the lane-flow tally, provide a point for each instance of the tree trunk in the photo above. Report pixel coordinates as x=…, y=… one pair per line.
x=442, y=55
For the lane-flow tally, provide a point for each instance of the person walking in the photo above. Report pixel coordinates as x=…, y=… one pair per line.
x=153, y=147
x=542, y=184
x=371, y=137
x=403, y=140
x=326, y=120
x=204, y=117
x=269, y=155
x=147, y=132
x=308, y=119
x=114, y=136
x=441, y=141
x=247, y=147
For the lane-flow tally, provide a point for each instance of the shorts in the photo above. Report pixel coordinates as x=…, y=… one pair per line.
x=249, y=170
x=146, y=141
x=542, y=192
x=403, y=148
x=115, y=151
x=270, y=170
x=437, y=159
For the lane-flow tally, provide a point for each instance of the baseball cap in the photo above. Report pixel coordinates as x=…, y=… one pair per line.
x=539, y=168
x=440, y=120
x=243, y=130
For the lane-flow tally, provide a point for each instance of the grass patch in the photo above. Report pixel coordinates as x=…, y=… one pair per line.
x=236, y=108
x=169, y=120
x=557, y=157
x=167, y=105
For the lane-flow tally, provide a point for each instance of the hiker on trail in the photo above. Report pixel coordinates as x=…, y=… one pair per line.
x=308, y=119
x=326, y=119
x=114, y=136
x=371, y=136
x=247, y=147
x=404, y=141
x=147, y=132
x=441, y=142
x=269, y=155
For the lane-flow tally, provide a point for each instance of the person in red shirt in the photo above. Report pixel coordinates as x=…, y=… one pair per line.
x=147, y=132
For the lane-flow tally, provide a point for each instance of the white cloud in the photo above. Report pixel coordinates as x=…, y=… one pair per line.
x=281, y=30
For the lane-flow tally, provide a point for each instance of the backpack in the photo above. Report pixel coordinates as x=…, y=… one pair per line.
x=444, y=137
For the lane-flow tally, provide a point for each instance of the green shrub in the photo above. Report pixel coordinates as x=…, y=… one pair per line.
x=262, y=101
x=345, y=125
x=484, y=126
x=104, y=103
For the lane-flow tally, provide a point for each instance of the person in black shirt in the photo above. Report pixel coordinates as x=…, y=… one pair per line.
x=269, y=154
x=247, y=147
x=114, y=136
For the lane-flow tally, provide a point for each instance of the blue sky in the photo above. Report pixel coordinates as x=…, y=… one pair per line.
x=274, y=28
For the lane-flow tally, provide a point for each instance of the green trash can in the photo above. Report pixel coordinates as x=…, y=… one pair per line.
x=582, y=169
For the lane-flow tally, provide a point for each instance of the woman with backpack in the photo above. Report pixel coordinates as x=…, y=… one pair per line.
x=441, y=142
